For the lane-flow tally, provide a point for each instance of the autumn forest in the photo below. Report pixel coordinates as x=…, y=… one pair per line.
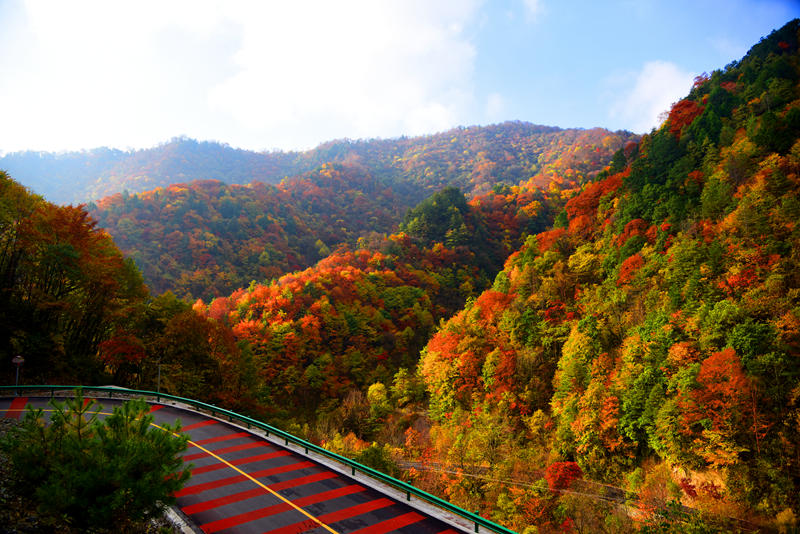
x=566, y=330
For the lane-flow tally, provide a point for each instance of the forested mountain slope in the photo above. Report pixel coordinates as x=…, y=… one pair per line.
x=651, y=339
x=208, y=238
x=473, y=159
x=79, y=177
x=358, y=316
x=205, y=239
x=79, y=312
x=503, y=326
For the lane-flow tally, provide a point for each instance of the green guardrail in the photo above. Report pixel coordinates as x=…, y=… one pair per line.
x=409, y=489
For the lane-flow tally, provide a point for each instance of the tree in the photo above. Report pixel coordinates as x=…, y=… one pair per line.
x=97, y=473
x=64, y=286
x=560, y=475
x=717, y=409
x=682, y=114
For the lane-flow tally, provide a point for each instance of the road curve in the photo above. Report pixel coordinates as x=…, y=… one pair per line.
x=245, y=483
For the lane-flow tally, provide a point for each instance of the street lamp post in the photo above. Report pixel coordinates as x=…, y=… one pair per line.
x=18, y=361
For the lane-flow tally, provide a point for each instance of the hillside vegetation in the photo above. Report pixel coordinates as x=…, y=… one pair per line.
x=207, y=238
x=604, y=340
x=651, y=338
x=473, y=159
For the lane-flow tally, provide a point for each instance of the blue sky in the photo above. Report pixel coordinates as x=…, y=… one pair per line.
x=289, y=75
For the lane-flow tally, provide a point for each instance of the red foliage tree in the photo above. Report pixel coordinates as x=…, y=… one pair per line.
x=122, y=355
x=682, y=114
x=633, y=228
x=725, y=399
x=582, y=209
x=724, y=388
x=700, y=80
x=545, y=240
x=560, y=475
x=492, y=304
x=629, y=268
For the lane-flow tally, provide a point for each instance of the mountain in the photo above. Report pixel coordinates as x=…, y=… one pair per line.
x=651, y=339
x=79, y=177
x=564, y=330
x=357, y=316
x=472, y=158
x=208, y=238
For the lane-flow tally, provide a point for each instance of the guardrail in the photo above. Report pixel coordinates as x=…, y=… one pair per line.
x=409, y=489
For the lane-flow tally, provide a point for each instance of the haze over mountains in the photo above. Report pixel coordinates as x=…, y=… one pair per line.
x=521, y=150
x=266, y=214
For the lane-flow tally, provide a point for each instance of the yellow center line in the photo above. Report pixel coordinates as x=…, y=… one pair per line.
x=282, y=498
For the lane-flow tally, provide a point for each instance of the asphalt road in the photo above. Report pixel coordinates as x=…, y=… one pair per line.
x=243, y=483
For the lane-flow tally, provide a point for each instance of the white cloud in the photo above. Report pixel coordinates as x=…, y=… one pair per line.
x=255, y=74
x=639, y=98
x=359, y=68
x=90, y=73
x=533, y=9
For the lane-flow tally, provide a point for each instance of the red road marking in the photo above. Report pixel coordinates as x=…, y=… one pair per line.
x=240, y=461
x=281, y=469
x=207, y=468
x=296, y=528
x=200, y=424
x=242, y=447
x=299, y=481
x=226, y=437
x=225, y=450
x=255, y=492
x=332, y=517
x=155, y=407
x=328, y=495
x=198, y=488
x=259, y=457
x=389, y=525
x=195, y=456
x=222, y=501
x=353, y=511
x=246, y=517
x=17, y=405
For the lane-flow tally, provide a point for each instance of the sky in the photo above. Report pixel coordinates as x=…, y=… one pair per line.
x=289, y=75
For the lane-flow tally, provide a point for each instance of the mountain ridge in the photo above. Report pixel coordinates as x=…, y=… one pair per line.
x=259, y=230
x=82, y=176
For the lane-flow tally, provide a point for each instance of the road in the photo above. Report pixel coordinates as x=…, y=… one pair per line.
x=244, y=483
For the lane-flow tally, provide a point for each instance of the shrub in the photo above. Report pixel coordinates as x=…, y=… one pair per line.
x=97, y=473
